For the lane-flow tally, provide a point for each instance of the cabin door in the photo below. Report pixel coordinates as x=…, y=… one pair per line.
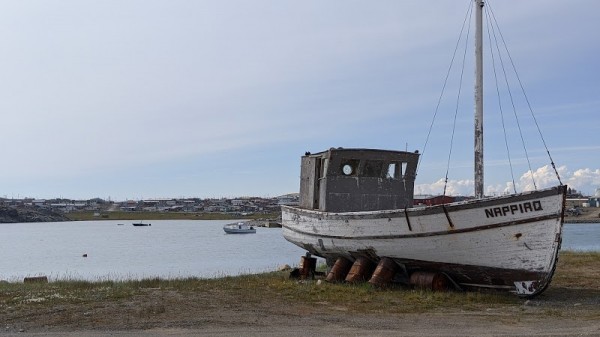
x=312, y=182
x=316, y=183
x=320, y=182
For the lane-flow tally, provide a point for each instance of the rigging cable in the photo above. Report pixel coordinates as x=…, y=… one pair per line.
x=513, y=104
x=499, y=100
x=466, y=19
x=525, y=95
x=462, y=71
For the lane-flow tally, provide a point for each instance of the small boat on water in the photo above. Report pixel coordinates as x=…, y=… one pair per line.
x=239, y=228
x=141, y=224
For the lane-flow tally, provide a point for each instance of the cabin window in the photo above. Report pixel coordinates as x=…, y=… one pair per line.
x=396, y=170
x=373, y=168
x=392, y=171
x=349, y=167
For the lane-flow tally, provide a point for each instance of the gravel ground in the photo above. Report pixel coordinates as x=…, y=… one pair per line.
x=559, y=311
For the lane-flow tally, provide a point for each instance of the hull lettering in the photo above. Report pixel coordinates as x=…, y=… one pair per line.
x=525, y=207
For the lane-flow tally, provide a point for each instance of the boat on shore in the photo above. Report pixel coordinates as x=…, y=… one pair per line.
x=239, y=228
x=357, y=211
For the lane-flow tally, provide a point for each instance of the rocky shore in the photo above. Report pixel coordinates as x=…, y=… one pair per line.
x=29, y=214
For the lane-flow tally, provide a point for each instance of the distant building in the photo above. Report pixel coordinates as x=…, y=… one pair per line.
x=594, y=201
x=577, y=202
x=429, y=200
x=289, y=199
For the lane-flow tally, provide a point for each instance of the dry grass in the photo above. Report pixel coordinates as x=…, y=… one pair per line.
x=147, y=303
x=578, y=270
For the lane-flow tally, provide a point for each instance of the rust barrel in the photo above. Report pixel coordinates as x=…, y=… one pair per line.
x=340, y=269
x=361, y=270
x=308, y=265
x=429, y=280
x=384, y=273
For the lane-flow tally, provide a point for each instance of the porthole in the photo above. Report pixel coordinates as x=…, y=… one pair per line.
x=347, y=169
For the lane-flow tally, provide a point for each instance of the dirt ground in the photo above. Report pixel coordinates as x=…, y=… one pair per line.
x=560, y=311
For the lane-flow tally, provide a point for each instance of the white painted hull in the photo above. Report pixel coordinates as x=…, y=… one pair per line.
x=507, y=242
x=239, y=231
x=239, y=228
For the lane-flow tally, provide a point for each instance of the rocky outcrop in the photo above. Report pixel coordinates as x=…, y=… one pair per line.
x=29, y=214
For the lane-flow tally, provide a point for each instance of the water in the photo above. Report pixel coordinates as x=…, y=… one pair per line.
x=581, y=237
x=168, y=249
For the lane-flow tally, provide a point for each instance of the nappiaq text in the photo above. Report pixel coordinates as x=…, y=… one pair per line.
x=525, y=207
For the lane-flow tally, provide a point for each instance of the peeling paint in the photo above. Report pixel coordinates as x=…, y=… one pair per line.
x=526, y=287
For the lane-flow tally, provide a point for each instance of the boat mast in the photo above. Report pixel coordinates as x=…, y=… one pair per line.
x=478, y=99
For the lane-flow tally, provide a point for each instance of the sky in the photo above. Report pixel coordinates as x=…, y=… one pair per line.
x=138, y=99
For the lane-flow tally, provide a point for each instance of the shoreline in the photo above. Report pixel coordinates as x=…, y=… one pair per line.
x=579, y=221
x=30, y=215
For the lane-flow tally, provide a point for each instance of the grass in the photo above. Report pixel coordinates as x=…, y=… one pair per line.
x=576, y=270
x=273, y=286
x=580, y=269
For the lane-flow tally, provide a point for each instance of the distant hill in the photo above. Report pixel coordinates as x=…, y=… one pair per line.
x=28, y=214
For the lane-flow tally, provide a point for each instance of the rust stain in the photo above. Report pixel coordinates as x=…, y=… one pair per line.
x=448, y=217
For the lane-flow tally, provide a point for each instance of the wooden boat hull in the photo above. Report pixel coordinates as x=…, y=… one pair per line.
x=509, y=242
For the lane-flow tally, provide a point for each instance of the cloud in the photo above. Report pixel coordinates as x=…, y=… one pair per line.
x=585, y=180
x=454, y=187
x=541, y=178
x=95, y=92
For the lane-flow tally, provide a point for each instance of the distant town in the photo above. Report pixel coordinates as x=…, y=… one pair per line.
x=239, y=206
x=243, y=206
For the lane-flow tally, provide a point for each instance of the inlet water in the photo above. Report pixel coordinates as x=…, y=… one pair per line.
x=167, y=249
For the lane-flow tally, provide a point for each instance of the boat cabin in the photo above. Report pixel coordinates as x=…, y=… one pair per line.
x=352, y=180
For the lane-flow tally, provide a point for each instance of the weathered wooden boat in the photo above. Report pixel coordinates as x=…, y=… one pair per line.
x=239, y=228
x=356, y=209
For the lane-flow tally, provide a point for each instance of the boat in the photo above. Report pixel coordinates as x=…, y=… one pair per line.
x=239, y=228
x=141, y=224
x=357, y=210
